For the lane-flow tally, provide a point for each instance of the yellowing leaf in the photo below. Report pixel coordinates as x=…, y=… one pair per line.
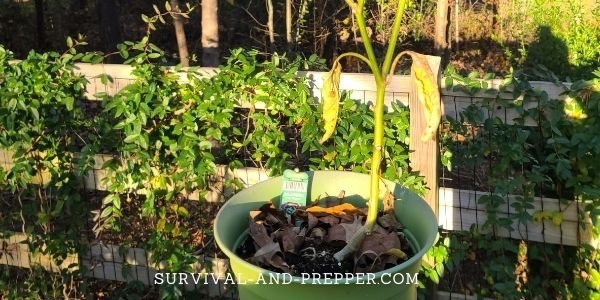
x=557, y=218
x=397, y=253
x=330, y=95
x=330, y=156
x=574, y=110
x=427, y=93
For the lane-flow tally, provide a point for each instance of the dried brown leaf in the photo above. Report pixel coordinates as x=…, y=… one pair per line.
x=290, y=240
x=352, y=228
x=271, y=214
x=259, y=234
x=388, y=221
x=336, y=233
x=312, y=221
x=270, y=254
x=318, y=233
x=388, y=202
x=379, y=242
x=255, y=215
x=329, y=219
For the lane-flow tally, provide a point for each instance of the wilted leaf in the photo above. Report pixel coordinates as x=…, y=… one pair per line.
x=388, y=221
x=367, y=262
x=312, y=221
x=388, y=202
x=428, y=93
x=329, y=219
x=259, y=234
x=271, y=214
x=255, y=215
x=318, y=233
x=336, y=233
x=338, y=210
x=352, y=228
x=330, y=95
x=397, y=253
x=379, y=242
x=269, y=254
x=290, y=239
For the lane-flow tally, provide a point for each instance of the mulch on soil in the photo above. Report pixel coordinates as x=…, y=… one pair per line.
x=306, y=240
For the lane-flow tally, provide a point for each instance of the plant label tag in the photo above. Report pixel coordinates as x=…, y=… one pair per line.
x=294, y=188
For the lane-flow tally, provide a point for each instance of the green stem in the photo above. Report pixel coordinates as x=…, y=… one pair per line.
x=391, y=49
x=379, y=112
x=362, y=28
x=380, y=74
x=354, y=54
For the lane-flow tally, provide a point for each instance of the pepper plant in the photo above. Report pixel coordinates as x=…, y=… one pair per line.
x=427, y=90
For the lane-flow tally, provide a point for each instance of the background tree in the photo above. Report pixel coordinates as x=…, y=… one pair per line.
x=210, y=33
x=180, y=34
x=441, y=25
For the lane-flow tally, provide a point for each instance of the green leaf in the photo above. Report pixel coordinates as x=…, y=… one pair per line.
x=106, y=212
x=108, y=199
x=34, y=113
x=131, y=138
x=69, y=102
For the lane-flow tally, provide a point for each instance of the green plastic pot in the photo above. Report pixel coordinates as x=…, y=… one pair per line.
x=231, y=228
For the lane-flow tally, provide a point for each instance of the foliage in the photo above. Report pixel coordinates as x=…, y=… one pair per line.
x=564, y=36
x=350, y=149
x=267, y=95
x=51, y=143
x=557, y=156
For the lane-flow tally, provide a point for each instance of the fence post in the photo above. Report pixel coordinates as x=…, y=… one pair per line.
x=424, y=156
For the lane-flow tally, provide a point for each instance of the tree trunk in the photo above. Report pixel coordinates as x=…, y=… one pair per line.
x=288, y=23
x=40, y=25
x=180, y=35
x=441, y=25
x=270, y=25
x=108, y=16
x=210, y=33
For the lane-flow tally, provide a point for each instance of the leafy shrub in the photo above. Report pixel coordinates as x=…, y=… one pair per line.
x=558, y=157
x=352, y=141
x=51, y=143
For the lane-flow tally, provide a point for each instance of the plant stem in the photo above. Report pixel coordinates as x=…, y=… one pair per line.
x=380, y=74
x=380, y=81
x=391, y=49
